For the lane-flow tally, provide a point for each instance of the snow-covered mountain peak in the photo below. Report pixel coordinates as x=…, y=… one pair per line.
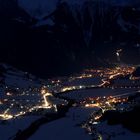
x=40, y=8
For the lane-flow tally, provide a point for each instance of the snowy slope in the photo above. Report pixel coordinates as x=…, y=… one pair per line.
x=16, y=78
x=65, y=128
x=18, y=82
x=16, y=125
x=38, y=8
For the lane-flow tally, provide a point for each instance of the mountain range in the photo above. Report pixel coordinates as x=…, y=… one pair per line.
x=59, y=37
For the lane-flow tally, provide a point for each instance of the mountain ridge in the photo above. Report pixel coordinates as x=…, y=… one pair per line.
x=69, y=39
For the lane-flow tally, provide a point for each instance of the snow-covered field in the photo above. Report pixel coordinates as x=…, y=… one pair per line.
x=66, y=128
x=11, y=127
x=81, y=94
x=27, y=94
x=17, y=78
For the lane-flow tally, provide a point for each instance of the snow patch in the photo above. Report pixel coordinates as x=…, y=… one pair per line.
x=65, y=128
x=38, y=8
